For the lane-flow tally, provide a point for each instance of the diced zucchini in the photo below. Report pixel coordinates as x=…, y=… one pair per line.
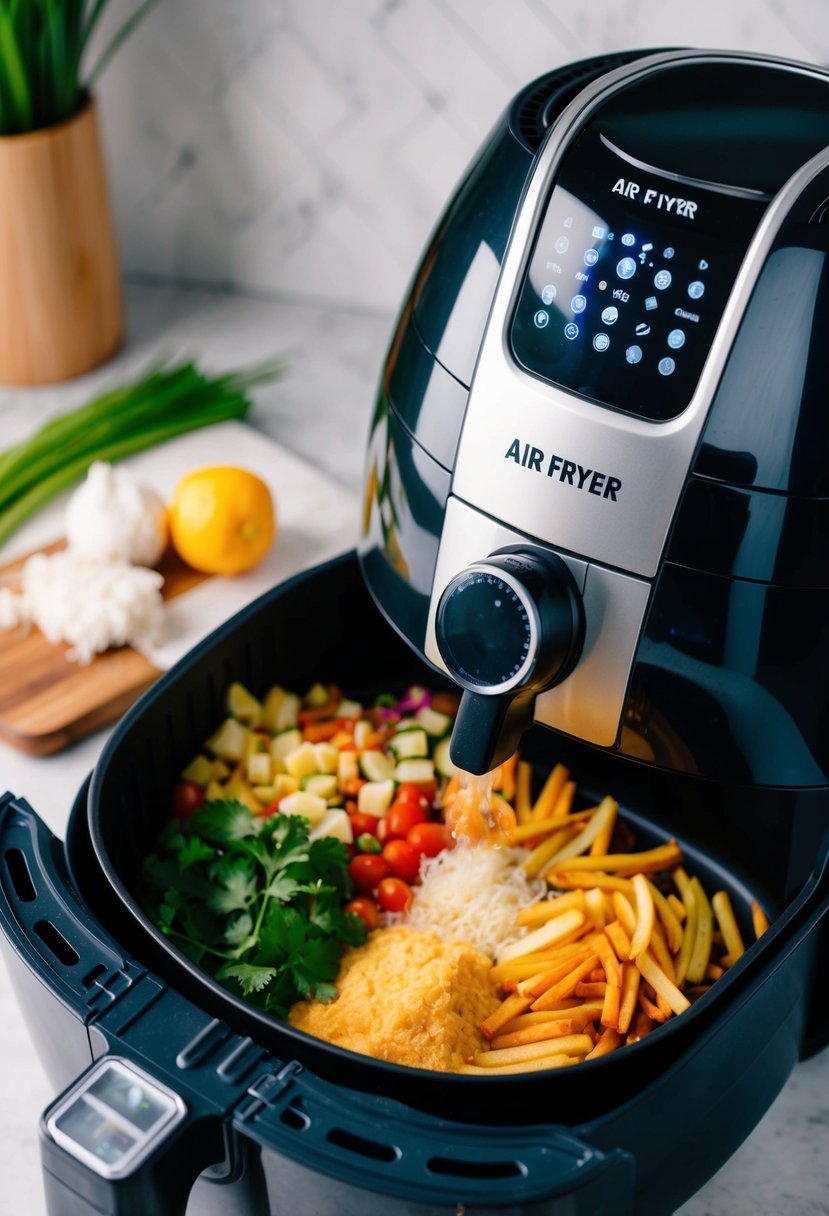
x=347, y=767
x=283, y=744
x=302, y=762
x=375, y=798
x=415, y=770
x=362, y=730
x=324, y=785
x=348, y=709
x=259, y=768
x=333, y=823
x=442, y=760
x=376, y=766
x=244, y=706
x=215, y=791
x=199, y=770
x=433, y=722
x=409, y=744
x=317, y=696
x=287, y=715
x=229, y=741
x=302, y=803
x=327, y=757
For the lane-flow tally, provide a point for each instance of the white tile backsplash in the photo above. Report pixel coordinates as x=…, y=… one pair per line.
x=307, y=146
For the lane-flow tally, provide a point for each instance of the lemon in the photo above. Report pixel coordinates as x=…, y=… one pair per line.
x=222, y=520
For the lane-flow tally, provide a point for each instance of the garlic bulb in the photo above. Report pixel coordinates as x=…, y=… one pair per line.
x=113, y=517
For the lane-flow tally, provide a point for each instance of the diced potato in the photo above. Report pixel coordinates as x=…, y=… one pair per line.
x=348, y=709
x=199, y=770
x=302, y=762
x=272, y=707
x=283, y=744
x=327, y=757
x=256, y=743
x=362, y=730
x=317, y=696
x=219, y=770
x=215, y=791
x=243, y=706
x=375, y=798
x=284, y=784
x=348, y=768
x=229, y=741
x=302, y=803
x=264, y=794
x=259, y=768
x=324, y=785
x=333, y=823
x=287, y=715
x=239, y=789
x=410, y=744
x=433, y=722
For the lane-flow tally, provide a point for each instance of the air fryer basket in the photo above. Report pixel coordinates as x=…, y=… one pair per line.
x=323, y=626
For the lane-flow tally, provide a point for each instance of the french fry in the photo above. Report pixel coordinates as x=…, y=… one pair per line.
x=654, y=1012
x=578, y=1011
x=625, y=913
x=504, y=777
x=605, y=811
x=601, y=844
x=642, y=1026
x=645, y=913
x=546, y=909
x=547, y=799
x=538, y=984
x=728, y=925
x=535, y=1034
x=726, y=961
x=663, y=857
x=523, y=784
x=568, y=1045
x=566, y=986
x=594, y=907
x=701, y=953
x=611, y=1006
x=612, y=968
x=587, y=879
x=554, y=932
x=759, y=919
x=630, y=992
x=596, y=976
x=539, y=858
x=661, y=984
x=668, y=919
x=537, y=831
x=662, y=954
x=609, y=1040
x=618, y=939
x=714, y=972
x=678, y=907
x=529, y=1066
x=506, y=1011
x=564, y=802
x=689, y=933
x=590, y=988
x=531, y=964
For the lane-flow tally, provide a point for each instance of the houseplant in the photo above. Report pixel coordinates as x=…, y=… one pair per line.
x=60, y=287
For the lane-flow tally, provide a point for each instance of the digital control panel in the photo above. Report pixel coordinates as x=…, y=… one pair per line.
x=628, y=279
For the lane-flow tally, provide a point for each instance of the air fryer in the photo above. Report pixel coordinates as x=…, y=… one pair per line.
x=603, y=407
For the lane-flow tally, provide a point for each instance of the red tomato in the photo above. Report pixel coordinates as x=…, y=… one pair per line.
x=403, y=859
x=430, y=838
x=366, y=909
x=362, y=823
x=186, y=798
x=401, y=818
x=421, y=793
x=394, y=895
x=367, y=870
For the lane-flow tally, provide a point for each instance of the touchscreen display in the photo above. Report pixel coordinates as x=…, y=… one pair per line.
x=628, y=280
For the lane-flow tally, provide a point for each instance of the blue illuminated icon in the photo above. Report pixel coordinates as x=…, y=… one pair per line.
x=651, y=302
x=703, y=265
x=628, y=238
x=571, y=330
x=696, y=289
x=591, y=257
x=562, y=244
x=662, y=279
x=548, y=293
x=541, y=318
x=669, y=252
x=633, y=354
x=578, y=304
x=666, y=366
x=646, y=248
x=626, y=268
x=599, y=233
x=676, y=338
x=610, y=314
x=601, y=341
x=642, y=330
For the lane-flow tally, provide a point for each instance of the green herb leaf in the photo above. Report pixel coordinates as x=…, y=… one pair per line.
x=252, y=979
x=222, y=821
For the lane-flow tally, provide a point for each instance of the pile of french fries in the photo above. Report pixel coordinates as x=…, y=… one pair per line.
x=624, y=942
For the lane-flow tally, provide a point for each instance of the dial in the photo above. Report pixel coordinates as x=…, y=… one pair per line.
x=488, y=630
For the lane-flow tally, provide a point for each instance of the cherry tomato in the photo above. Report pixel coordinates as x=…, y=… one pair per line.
x=430, y=838
x=362, y=823
x=367, y=870
x=186, y=798
x=366, y=909
x=394, y=895
x=401, y=818
x=403, y=859
x=421, y=793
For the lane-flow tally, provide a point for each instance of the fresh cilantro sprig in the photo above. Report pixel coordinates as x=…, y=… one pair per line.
x=254, y=902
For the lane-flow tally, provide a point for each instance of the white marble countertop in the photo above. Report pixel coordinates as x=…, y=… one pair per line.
x=321, y=411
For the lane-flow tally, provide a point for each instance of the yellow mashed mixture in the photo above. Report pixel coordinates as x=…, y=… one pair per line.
x=408, y=997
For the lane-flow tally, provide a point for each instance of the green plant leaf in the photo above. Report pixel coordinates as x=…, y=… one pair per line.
x=117, y=41
x=252, y=979
x=222, y=822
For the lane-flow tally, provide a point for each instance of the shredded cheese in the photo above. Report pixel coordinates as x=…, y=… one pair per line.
x=473, y=895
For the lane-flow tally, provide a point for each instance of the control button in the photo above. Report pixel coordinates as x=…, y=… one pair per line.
x=599, y=233
x=666, y=366
x=626, y=268
x=601, y=341
x=554, y=266
x=571, y=331
x=662, y=279
x=633, y=354
x=696, y=289
x=541, y=318
x=703, y=265
x=578, y=304
x=669, y=252
x=676, y=338
x=562, y=244
x=548, y=293
x=568, y=223
x=591, y=257
x=651, y=302
x=610, y=315
x=642, y=329
x=628, y=238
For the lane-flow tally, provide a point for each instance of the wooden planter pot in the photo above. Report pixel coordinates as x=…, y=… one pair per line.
x=60, y=281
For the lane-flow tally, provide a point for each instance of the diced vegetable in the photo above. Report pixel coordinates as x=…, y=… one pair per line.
x=362, y=730
x=302, y=762
x=317, y=696
x=302, y=803
x=327, y=757
x=272, y=706
x=259, y=768
x=324, y=785
x=283, y=744
x=333, y=823
x=376, y=766
x=415, y=770
x=409, y=744
x=241, y=791
x=433, y=723
x=242, y=705
x=199, y=770
x=229, y=741
x=375, y=798
x=348, y=709
x=288, y=713
x=348, y=768
x=443, y=761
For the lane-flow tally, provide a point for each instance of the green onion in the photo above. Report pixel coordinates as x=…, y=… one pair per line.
x=161, y=404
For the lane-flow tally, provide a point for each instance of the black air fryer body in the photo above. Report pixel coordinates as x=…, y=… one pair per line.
x=612, y=357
